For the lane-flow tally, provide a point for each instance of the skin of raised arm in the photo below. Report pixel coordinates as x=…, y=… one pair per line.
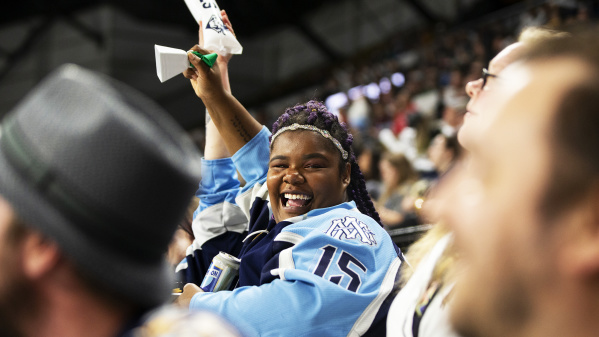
x=215, y=147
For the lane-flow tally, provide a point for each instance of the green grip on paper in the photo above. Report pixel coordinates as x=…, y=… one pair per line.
x=209, y=59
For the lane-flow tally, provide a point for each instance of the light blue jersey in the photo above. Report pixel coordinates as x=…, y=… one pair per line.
x=326, y=273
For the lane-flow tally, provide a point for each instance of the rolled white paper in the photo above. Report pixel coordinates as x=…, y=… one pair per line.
x=217, y=37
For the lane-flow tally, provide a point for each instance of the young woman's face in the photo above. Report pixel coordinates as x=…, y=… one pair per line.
x=389, y=174
x=304, y=174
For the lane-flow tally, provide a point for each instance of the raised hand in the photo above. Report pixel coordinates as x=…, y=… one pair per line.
x=222, y=61
x=206, y=81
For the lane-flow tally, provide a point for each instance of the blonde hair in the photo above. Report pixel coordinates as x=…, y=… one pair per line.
x=420, y=249
x=534, y=34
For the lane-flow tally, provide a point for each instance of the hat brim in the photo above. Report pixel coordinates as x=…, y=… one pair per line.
x=146, y=285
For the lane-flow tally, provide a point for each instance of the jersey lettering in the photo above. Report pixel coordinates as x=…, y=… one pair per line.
x=351, y=228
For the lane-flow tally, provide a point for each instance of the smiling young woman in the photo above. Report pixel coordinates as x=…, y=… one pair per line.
x=326, y=156
x=315, y=259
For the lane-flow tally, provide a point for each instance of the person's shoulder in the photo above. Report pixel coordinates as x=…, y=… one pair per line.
x=347, y=224
x=350, y=211
x=171, y=321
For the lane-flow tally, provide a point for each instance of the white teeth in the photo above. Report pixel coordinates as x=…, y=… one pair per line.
x=297, y=196
x=287, y=204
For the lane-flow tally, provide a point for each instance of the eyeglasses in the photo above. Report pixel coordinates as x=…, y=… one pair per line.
x=486, y=75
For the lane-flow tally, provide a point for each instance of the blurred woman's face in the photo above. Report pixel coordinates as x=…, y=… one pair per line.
x=304, y=174
x=389, y=174
x=436, y=150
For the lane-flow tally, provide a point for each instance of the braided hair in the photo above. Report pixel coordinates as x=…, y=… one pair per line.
x=315, y=113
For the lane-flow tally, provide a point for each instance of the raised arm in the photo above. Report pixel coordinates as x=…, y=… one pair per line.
x=233, y=121
x=215, y=147
x=218, y=223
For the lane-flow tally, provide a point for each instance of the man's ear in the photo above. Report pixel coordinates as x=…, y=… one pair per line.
x=581, y=242
x=40, y=255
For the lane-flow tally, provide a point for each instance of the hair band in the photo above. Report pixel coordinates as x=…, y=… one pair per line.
x=324, y=133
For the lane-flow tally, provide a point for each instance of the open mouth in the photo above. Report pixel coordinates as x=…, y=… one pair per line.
x=291, y=200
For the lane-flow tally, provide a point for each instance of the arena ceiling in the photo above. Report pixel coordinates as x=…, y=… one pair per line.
x=325, y=32
x=251, y=17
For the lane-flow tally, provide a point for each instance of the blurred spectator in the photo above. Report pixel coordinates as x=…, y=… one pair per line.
x=358, y=113
x=424, y=296
x=183, y=236
x=443, y=152
x=404, y=107
x=453, y=113
x=534, y=17
x=94, y=179
x=532, y=185
x=566, y=9
x=393, y=204
x=177, y=322
x=368, y=153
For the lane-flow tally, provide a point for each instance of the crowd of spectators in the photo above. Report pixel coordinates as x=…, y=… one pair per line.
x=404, y=95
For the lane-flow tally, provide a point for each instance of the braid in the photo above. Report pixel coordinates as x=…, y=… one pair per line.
x=358, y=192
x=315, y=113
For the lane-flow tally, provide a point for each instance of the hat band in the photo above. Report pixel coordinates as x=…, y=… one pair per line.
x=100, y=226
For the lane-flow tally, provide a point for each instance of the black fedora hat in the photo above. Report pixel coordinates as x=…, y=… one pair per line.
x=104, y=172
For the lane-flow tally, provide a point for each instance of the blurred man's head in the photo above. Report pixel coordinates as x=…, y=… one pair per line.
x=525, y=211
x=94, y=179
x=17, y=296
